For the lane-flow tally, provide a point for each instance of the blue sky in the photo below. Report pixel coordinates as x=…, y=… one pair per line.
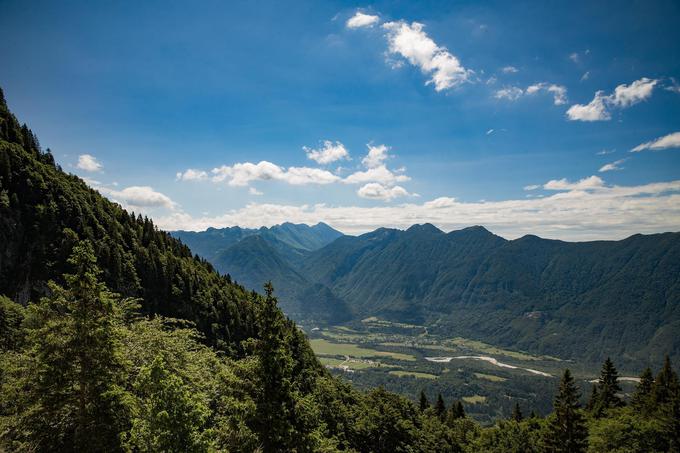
x=463, y=107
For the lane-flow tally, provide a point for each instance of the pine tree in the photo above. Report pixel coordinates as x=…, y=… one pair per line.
x=440, y=407
x=642, y=398
x=75, y=394
x=455, y=412
x=608, y=386
x=424, y=403
x=665, y=384
x=276, y=402
x=566, y=432
x=517, y=414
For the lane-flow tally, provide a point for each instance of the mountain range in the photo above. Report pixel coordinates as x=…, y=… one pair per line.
x=580, y=300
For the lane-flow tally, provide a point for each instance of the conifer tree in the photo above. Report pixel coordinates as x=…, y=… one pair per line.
x=665, y=384
x=440, y=407
x=608, y=385
x=75, y=395
x=517, y=413
x=642, y=398
x=566, y=431
x=455, y=412
x=276, y=402
x=424, y=403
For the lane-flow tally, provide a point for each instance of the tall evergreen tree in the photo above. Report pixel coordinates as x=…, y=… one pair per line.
x=608, y=385
x=440, y=407
x=665, y=384
x=74, y=392
x=566, y=432
x=276, y=402
x=642, y=398
x=424, y=403
x=517, y=414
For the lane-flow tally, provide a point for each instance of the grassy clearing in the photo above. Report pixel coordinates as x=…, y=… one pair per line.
x=475, y=399
x=415, y=374
x=353, y=364
x=493, y=350
x=325, y=347
x=490, y=377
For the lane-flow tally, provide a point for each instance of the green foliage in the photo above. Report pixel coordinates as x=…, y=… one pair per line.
x=11, y=317
x=168, y=416
x=605, y=392
x=567, y=431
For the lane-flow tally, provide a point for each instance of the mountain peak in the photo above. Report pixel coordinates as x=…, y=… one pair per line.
x=424, y=228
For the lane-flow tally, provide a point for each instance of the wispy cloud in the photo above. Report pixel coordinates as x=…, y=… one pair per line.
x=509, y=70
x=513, y=93
x=616, y=165
x=665, y=142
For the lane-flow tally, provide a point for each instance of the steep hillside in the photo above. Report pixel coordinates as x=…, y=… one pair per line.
x=44, y=211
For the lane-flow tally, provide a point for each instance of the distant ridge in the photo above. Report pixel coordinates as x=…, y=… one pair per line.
x=582, y=300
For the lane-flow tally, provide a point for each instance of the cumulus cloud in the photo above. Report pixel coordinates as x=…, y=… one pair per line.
x=616, y=165
x=665, y=142
x=191, y=175
x=378, y=191
x=242, y=174
x=88, y=162
x=590, y=183
x=623, y=96
x=329, y=152
x=595, y=110
x=375, y=171
x=638, y=91
x=607, y=213
x=139, y=197
x=360, y=20
x=510, y=70
x=410, y=42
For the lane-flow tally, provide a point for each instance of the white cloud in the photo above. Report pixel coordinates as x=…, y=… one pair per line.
x=242, y=174
x=489, y=132
x=514, y=93
x=379, y=174
x=378, y=191
x=585, y=76
x=607, y=213
x=665, y=142
x=616, y=165
x=510, y=70
x=88, y=162
x=254, y=191
x=593, y=111
x=559, y=92
x=532, y=187
x=604, y=152
x=574, y=57
x=509, y=93
x=330, y=152
x=362, y=20
x=376, y=156
x=590, y=183
x=638, y=91
x=412, y=43
x=623, y=96
x=139, y=197
x=191, y=175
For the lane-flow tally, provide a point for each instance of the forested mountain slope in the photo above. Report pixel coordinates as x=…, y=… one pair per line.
x=582, y=300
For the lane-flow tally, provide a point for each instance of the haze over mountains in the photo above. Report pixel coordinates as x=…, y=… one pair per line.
x=583, y=300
